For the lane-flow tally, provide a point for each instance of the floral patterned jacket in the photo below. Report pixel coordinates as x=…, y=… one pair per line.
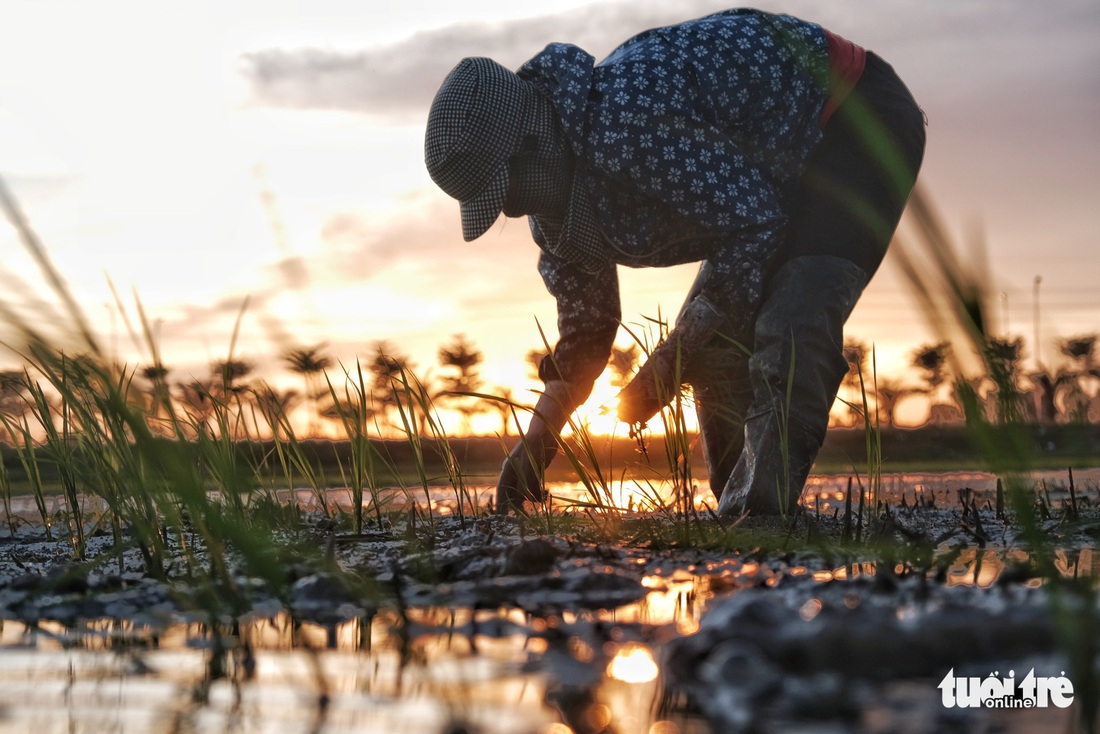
x=687, y=139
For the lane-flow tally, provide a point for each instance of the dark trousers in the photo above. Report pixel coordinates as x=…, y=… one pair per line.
x=763, y=417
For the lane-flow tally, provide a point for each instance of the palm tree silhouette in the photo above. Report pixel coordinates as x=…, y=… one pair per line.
x=231, y=390
x=1081, y=352
x=197, y=399
x=391, y=371
x=310, y=363
x=159, y=397
x=463, y=359
x=274, y=405
x=1002, y=358
x=932, y=363
x=504, y=408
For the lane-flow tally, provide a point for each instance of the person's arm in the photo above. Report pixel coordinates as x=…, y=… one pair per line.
x=660, y=376
x=723, y=302
x=588, y=317
x=521, y=475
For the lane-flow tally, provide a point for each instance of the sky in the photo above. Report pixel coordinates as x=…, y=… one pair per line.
x=267, y=155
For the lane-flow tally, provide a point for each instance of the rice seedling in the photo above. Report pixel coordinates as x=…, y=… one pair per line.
x=417, y=395
x=293, y=462
x=25, y=449
x=411, y=396
x=5, y=496
x=353, y=410
x=678, y=512
x=872, y=436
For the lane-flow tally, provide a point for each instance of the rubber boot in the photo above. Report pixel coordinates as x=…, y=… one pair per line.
x=722, y=389
x=796, y=369
x=719, y=378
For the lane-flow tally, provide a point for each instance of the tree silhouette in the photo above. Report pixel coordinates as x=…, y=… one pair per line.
x=461, y=360
x=197, y=399
x=1002, y=358
x=1075, y=398
x=230, y=391
x=158, y=398
x=931, y=362
x=1063, y=393
x=889, y=392
x=227, y=376
x=503, y=407
x=390, y=372
x=1081, y=350
x=310, y=363
x=1047, y=387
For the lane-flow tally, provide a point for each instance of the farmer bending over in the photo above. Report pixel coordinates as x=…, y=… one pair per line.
x=774, y=152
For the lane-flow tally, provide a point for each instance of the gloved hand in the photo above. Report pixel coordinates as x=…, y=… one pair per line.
x=521, y=475
x=659, y=379
x=519, y=480
x=651, y=388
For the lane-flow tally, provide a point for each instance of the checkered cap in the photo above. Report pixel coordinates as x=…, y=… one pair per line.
x=474, y=127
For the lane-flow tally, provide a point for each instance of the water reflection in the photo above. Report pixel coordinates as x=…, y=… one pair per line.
x=981, y=567
x=492, y=671
x=824, y=494
x=633, y=664
x=51, y=684
x=422, y=670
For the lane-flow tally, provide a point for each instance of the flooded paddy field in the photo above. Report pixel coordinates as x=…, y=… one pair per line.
x=844, y=619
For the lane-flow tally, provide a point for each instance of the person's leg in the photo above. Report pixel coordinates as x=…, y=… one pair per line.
x=845, y=210
x=796, y=369
x=722, y=390
x=719, y=378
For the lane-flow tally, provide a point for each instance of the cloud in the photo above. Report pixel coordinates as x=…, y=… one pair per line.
x=422, y=245
x=959, y=48
x=397, y=81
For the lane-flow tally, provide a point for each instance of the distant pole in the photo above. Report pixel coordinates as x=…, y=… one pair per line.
x=1038, y=359
x=1004, y=314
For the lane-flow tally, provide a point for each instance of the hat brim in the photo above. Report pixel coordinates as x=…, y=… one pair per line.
x=481, y=210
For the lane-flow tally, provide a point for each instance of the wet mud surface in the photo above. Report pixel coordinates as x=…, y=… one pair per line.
x=822, y=623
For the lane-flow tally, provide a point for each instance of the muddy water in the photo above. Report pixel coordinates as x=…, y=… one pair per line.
x=48, y=686
x=352, y=677
x=456, y=669
x=823, y=493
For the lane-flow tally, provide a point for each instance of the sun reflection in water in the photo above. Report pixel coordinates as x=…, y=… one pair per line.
x=633, y=664
x=556, y=728
x=810, y=609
